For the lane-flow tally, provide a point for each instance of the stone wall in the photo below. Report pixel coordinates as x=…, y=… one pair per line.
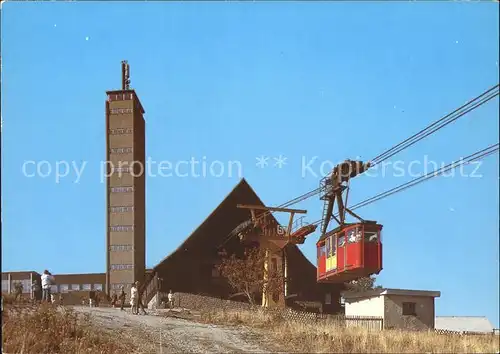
x=200, y=302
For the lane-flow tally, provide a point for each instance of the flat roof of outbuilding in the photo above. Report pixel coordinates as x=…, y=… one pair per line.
x=387, y=291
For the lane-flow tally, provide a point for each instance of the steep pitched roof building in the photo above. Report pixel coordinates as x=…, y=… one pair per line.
x=191, y=268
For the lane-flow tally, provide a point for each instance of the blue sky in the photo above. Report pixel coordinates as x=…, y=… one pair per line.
x=234, y=81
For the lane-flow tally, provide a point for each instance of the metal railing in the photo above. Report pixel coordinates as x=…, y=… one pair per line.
x=150, y=288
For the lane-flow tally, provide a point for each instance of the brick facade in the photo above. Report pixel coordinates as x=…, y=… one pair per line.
x=125, y=190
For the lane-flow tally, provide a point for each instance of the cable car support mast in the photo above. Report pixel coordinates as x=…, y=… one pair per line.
x=332, y=188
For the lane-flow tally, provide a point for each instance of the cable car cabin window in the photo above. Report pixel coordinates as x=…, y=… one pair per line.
x=328, y=246
x=371, y=236
x=341, y=241
x=351, y=236
x=322, y=250
x=333, y=245
x=354, y=235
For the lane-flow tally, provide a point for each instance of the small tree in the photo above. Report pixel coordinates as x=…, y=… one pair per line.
x=246, y=274
x=362, y=284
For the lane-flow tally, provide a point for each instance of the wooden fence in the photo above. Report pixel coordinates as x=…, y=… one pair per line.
x=369, y=323
x=339, y=321
x=463, y=333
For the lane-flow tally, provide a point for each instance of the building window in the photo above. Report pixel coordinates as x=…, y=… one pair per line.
x=86, y=287
x=120, y=110
x=122, y=169
x=121, y=209
x=122, y=266
x=64, y=288
x=5, y=286
x=121, y=228
x=75, y=287
x=120, y=131
x=98, y=287
x=118, y=286
x=121, y=248
x=328, y=299
x=409, y=309
x=123, y=150
x=122, y=189
x=274, y=265
x=53, y=288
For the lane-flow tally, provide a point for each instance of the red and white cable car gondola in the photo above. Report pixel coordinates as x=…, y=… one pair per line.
x=350, y=251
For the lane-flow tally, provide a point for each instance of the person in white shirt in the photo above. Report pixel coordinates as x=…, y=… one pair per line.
x=134, y=294
x=91, y=298
x=170, y=299
x=47, y=281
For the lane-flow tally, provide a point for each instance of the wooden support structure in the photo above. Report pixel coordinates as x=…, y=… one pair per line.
x=265, y=294
x=271, y=230
x=285, y=275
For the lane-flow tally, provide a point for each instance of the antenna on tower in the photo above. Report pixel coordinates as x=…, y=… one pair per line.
x=125, y=75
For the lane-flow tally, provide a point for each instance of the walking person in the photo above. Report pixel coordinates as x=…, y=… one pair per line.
x=133, y=299
x=91, y=298
x=18, y=288
x=140, y=292
x=171, y=299
x=114, y=300
x=47, y=282
x=35, y=291
x=122, y=297
x=97, y=298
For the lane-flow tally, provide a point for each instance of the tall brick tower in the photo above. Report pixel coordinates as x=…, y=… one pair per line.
x=125, y=187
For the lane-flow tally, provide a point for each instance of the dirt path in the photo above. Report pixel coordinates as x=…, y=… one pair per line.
x=178, y=335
